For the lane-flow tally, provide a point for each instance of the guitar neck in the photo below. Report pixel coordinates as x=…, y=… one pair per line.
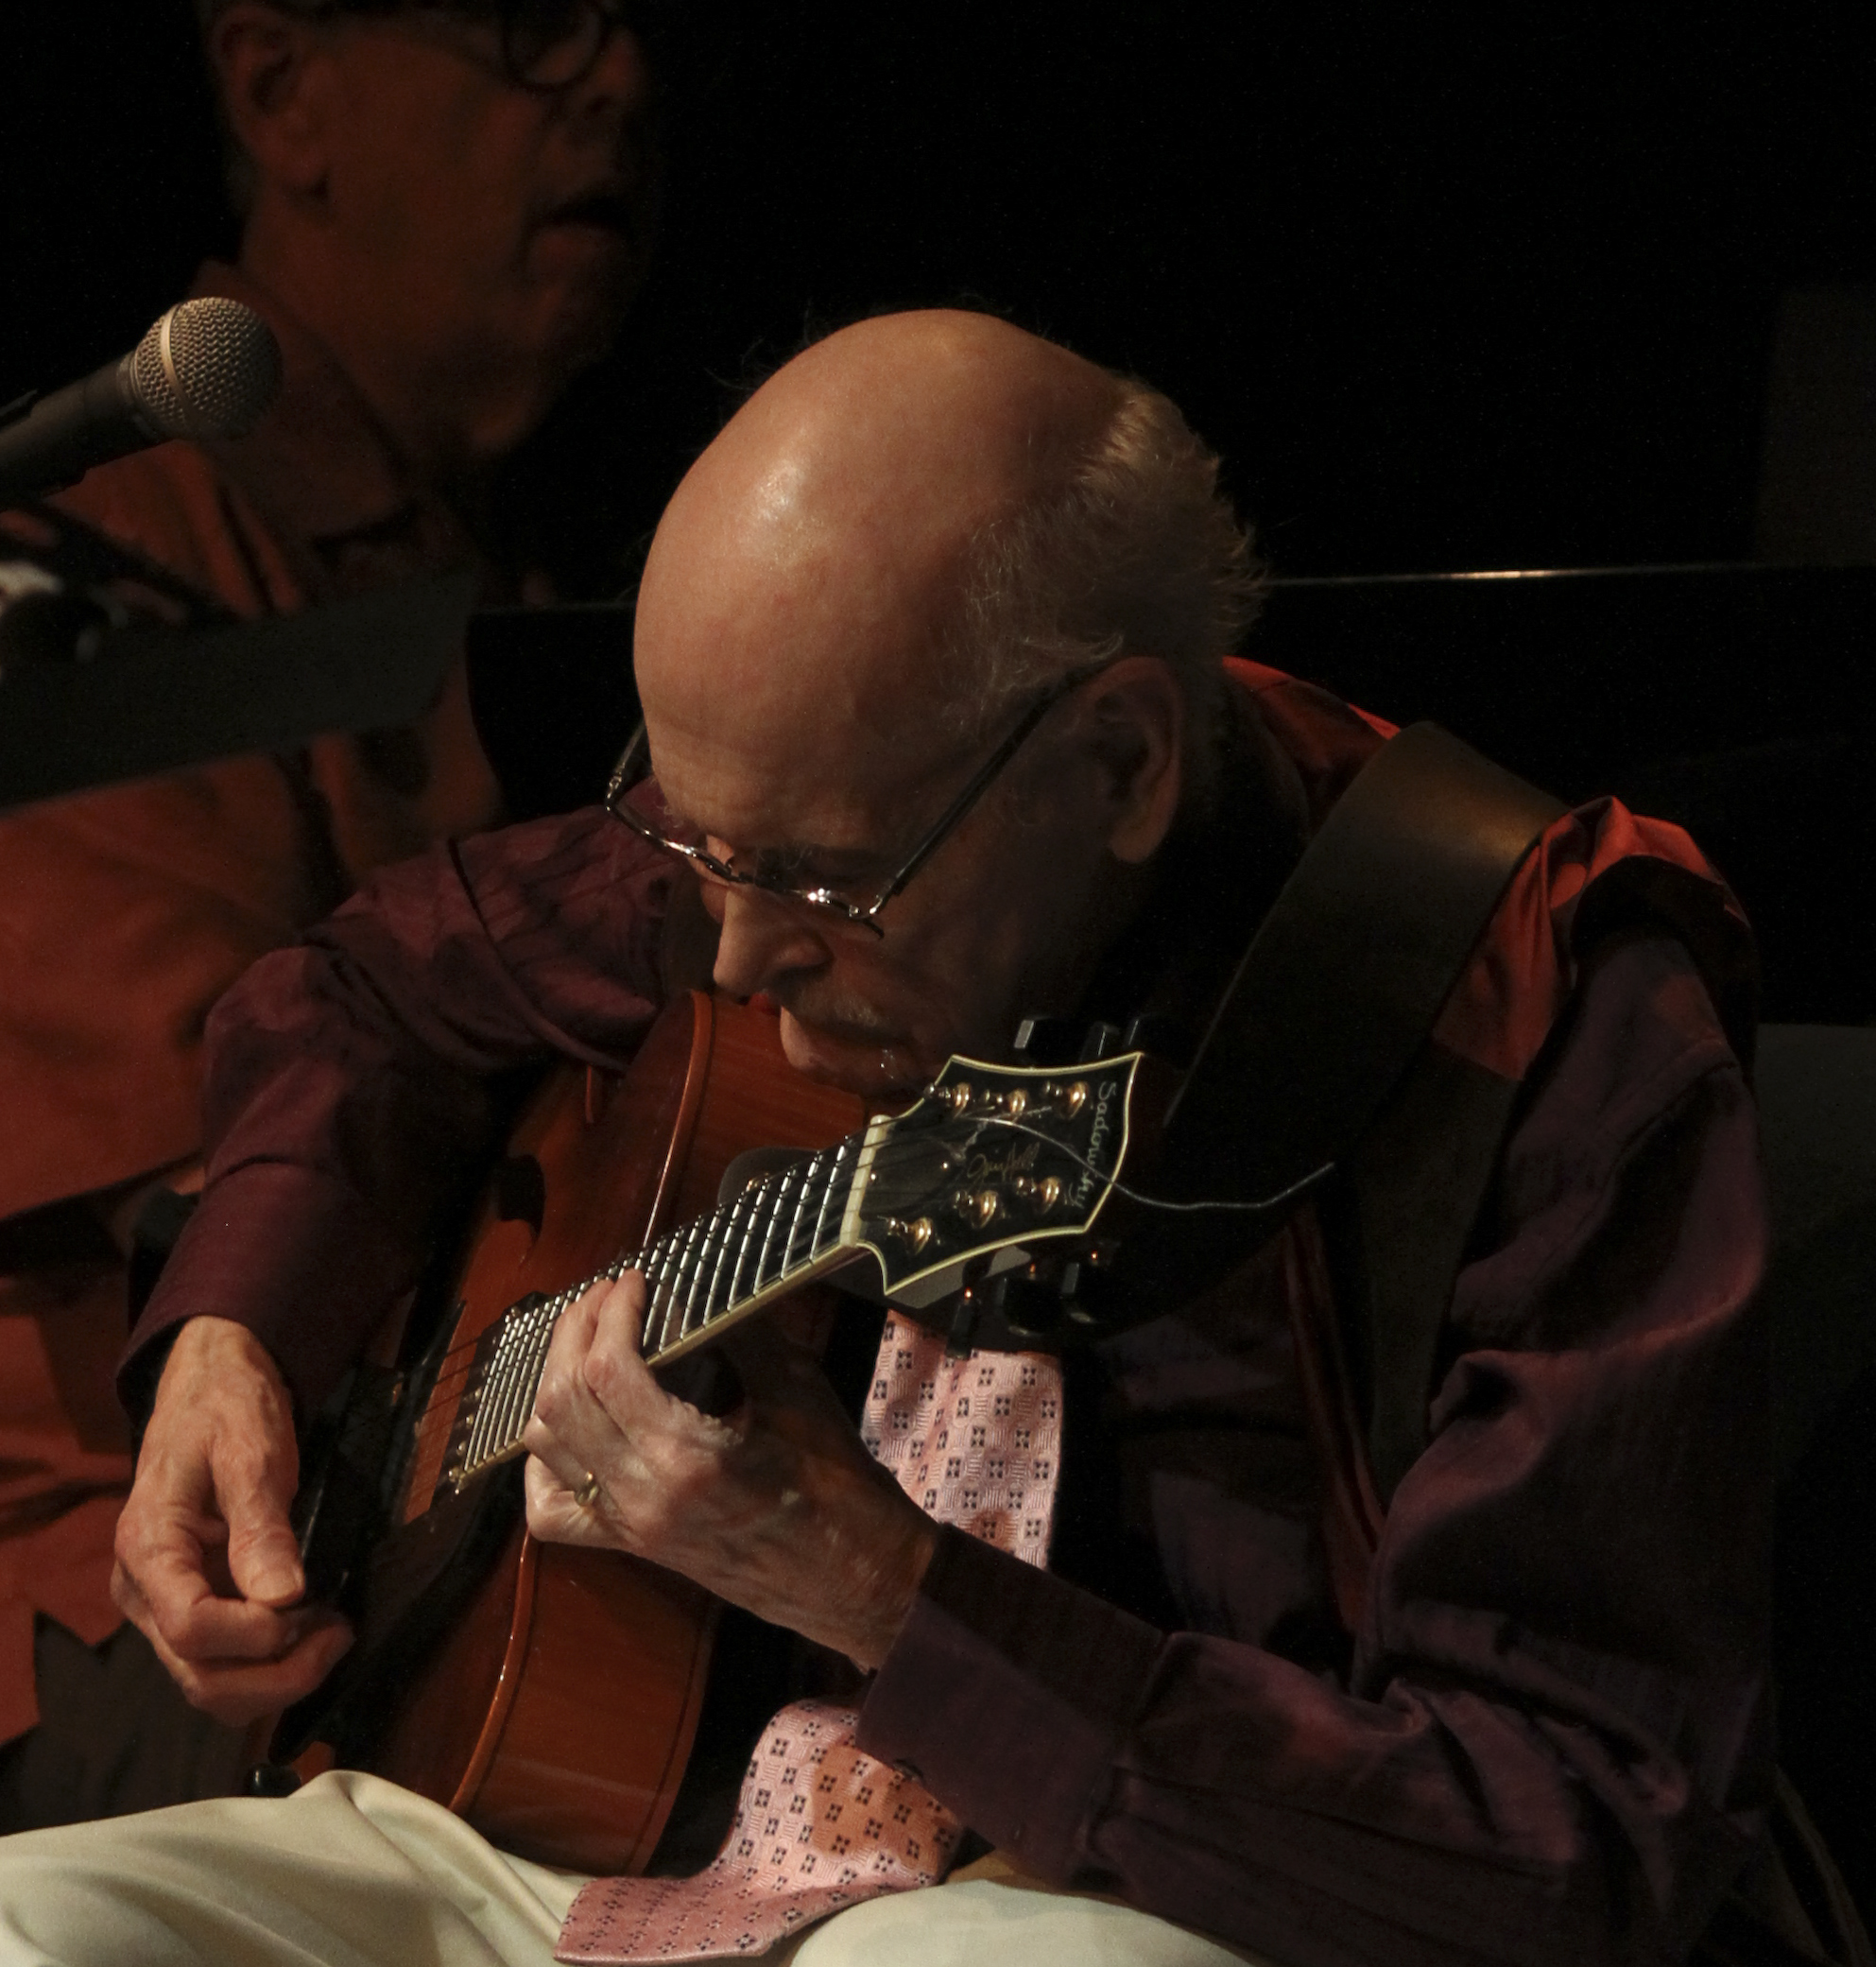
x=776, y=1236
x=991, y=1162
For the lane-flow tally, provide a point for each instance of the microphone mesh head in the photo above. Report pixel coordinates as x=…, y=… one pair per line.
x=223, y=370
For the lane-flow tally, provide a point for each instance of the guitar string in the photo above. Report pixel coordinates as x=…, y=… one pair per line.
x=713, y=1232
x=503, y=1410
x=488, y=1442
x=1263, y=1205
x=503, y=1417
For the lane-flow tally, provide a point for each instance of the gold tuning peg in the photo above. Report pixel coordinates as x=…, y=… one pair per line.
x=978, y=1208
x=1042, y=1195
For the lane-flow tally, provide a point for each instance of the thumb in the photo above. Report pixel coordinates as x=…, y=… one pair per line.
x=263, y=1551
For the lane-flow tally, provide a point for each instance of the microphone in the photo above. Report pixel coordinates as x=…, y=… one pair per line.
x=206, y=369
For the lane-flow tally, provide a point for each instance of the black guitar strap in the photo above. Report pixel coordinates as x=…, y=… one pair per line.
x=1318, y=1052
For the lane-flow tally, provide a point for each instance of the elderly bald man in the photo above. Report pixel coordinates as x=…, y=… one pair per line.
x=1520, y=1718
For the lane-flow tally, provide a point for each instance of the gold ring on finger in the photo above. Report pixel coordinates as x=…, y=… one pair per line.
x=588, y=1491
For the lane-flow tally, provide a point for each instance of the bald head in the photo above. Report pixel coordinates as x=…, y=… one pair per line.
x=917, y=521
x=972, y=407
x=810, y=562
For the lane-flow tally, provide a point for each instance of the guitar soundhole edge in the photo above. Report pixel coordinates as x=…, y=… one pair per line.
x=520, y=1192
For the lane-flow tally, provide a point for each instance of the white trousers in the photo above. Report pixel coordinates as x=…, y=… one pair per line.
x=354, y=1871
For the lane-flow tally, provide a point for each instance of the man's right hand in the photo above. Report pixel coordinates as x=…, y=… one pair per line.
x=208, y=1568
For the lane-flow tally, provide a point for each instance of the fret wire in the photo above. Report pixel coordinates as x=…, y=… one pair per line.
x=489, y=1401
x=787, y=1257
x=809, y=1174
x=718, y=1296
x=710, y=1268
x=513, y=1343
x=514, y=1349
x=807, y=1213
x=723, y=1228
x=696, y=1270
x=694, y=1245
x=775, y=1215
x=679, y=1241
x=758, y=1193
x=672, y=1315
x=495, y=1392
x=656, y=1264
x=697, y=1285
x=736, y=1241
x=552, y=1313
x=762, y=1193
x=530, y=1352
x=639, y=1260
x=839, y=1188
x=540, y=1337
x=521, y=1397
x=832, y=1173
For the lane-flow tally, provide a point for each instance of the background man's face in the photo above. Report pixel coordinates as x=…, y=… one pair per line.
x=506, y=221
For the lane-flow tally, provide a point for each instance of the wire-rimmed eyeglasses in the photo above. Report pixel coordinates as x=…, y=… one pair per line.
x=634, y=763
x=546, y=45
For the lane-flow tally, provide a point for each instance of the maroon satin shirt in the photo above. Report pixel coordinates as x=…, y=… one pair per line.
x=1545, y=1738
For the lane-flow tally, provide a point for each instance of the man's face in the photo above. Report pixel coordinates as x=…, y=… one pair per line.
x=506, y=225
x=1004, y=920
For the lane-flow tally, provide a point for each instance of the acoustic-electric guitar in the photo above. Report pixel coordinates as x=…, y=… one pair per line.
x=549, y=1694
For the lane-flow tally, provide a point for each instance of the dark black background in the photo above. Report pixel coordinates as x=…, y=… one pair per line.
x=1445, y=290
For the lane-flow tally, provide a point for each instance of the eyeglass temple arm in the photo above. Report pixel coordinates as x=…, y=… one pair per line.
x=619, y=783
x=934, y=837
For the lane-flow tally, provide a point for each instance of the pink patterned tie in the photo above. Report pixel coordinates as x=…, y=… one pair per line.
x=821, y=1824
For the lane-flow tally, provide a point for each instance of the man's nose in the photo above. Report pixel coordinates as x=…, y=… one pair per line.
x=761, y=941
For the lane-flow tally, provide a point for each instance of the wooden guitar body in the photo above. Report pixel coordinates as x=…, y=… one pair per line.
x=556, y=1708
x=549, y=1694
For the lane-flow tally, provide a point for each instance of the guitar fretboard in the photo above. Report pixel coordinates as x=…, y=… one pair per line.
x=774, y=1236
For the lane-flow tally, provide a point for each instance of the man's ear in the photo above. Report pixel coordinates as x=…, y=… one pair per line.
x=1134, y=720
x=275, y=91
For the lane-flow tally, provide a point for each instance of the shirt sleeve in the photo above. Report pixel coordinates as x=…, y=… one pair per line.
x=352, y=1079
x=1553, y=1744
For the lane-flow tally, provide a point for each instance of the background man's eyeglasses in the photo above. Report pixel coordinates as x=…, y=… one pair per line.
x=546, y=45
x=633, y=764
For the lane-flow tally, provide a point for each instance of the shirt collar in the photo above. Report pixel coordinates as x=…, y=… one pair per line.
x=319, y=463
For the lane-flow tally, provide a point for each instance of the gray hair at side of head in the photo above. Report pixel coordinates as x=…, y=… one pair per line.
x=1134, y=551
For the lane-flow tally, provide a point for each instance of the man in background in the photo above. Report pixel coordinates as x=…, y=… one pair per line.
x=445, y=215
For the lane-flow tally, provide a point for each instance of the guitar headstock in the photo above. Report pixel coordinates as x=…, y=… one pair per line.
x=992, y=1161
